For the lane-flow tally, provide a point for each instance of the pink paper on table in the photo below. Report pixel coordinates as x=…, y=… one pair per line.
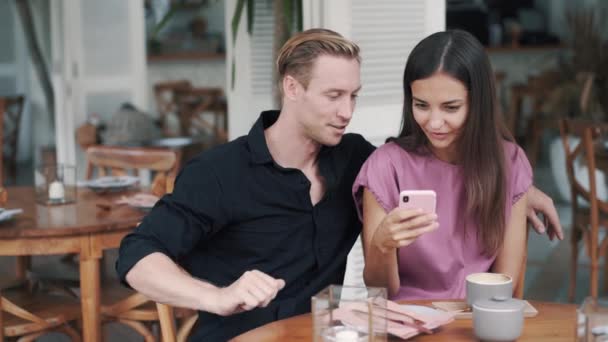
x=400, y=322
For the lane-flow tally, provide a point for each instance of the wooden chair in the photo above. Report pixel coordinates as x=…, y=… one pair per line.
x=193, y=103
x=27, y=316
x=518, y=290
x=118, y=303
x=13, y=108
x=117, y=161
x=540, y=88
x=166, y=101
x=168, y=330
x=586, y=220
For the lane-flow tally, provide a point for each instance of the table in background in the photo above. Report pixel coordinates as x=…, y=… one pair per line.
x=80, y=227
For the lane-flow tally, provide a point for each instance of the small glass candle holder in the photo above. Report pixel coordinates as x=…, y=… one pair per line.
x=592, y=322
x=349, y=314
x=55, y=184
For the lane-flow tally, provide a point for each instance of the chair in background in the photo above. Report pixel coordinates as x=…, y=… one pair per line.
x=537, y=89
x=518, y=290
x=194, y=103
x=11, y=121
x=118, y=303
x=584, y=147
x=166, y=104
x=27, y=316
x=117, y=161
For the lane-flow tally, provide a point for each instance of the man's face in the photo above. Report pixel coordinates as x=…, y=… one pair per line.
x=326, y=106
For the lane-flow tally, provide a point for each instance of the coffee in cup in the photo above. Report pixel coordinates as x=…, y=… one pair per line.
x=487, y=286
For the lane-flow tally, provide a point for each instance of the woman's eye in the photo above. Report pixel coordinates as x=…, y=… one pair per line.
x=452, y=108
x=420, y=105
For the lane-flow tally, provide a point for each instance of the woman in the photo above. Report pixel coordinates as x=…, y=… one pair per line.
x=451, y=142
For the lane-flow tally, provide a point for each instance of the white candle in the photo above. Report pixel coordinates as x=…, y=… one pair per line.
x=56, y=191
x=347, y=336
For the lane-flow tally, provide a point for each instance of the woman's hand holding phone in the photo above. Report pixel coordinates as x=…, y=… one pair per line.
x=402, y=226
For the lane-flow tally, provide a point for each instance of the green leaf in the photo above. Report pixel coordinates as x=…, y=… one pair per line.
x=250, y=16
x=288, y=12
x=299, y=16
x=233, y=73
x=163, y=22
x=236, y=19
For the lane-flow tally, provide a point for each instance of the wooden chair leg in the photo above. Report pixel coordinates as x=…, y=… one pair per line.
x=140, y=328
x=594, y=266
x=22, y=265
x=605, y=285
x=71, y=332
x=185, y=328
x=574, y=241
x=535, y=134
x=31, y=337
x=167, y=322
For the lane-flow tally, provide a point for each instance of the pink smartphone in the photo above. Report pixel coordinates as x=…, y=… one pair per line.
x=418, y=199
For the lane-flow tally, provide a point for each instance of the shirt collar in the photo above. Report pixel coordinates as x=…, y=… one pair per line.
x=256, y=139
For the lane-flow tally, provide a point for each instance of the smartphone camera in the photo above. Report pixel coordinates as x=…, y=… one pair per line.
x=406, y=199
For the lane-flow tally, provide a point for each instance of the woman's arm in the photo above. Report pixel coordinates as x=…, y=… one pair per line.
x=383, y=234
x=511, y=255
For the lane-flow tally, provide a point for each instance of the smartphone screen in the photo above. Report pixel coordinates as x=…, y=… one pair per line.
x=418, y=199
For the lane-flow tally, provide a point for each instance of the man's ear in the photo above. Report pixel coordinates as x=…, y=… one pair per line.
x=291, y=86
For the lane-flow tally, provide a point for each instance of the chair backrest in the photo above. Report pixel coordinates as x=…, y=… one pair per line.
x=194, y=102
x=518, y=290
x=590, y=150
x=166, y=104
x=11, y=123
x=117, y=161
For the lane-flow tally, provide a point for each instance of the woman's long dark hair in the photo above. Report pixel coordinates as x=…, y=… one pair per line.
x=480, y=145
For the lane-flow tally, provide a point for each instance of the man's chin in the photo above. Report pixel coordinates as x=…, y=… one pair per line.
x=333, y=141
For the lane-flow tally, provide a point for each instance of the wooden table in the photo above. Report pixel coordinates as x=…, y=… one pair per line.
x=554, y=322
x=80, y=227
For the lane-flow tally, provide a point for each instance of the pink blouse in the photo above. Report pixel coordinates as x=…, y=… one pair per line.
x=436, y=264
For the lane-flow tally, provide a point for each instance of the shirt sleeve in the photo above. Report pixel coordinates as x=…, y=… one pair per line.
x=378, y=176
x=179, y=221
x=521, y=173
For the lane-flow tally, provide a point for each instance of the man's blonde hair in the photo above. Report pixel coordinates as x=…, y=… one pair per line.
x=299, y=53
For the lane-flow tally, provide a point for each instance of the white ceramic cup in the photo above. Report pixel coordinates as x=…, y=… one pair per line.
x=487, y=286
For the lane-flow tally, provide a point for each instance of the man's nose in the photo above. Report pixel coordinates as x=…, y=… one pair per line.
x=346, y=109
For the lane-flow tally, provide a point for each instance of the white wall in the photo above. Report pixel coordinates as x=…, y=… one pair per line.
x=378, y=113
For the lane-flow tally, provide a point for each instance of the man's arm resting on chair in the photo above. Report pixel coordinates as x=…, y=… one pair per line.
x=177, y=288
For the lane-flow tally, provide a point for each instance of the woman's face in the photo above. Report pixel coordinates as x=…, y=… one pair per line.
x=440, y=106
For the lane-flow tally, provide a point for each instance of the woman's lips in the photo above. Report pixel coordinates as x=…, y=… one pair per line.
x=438, y=136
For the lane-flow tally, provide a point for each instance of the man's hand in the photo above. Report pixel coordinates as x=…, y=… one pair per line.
x=539, y=202
x=253, y=289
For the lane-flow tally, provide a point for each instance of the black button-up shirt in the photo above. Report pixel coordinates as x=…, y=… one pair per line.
x=234, y=209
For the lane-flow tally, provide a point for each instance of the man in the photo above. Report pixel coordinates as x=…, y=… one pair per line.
x=266, y=220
